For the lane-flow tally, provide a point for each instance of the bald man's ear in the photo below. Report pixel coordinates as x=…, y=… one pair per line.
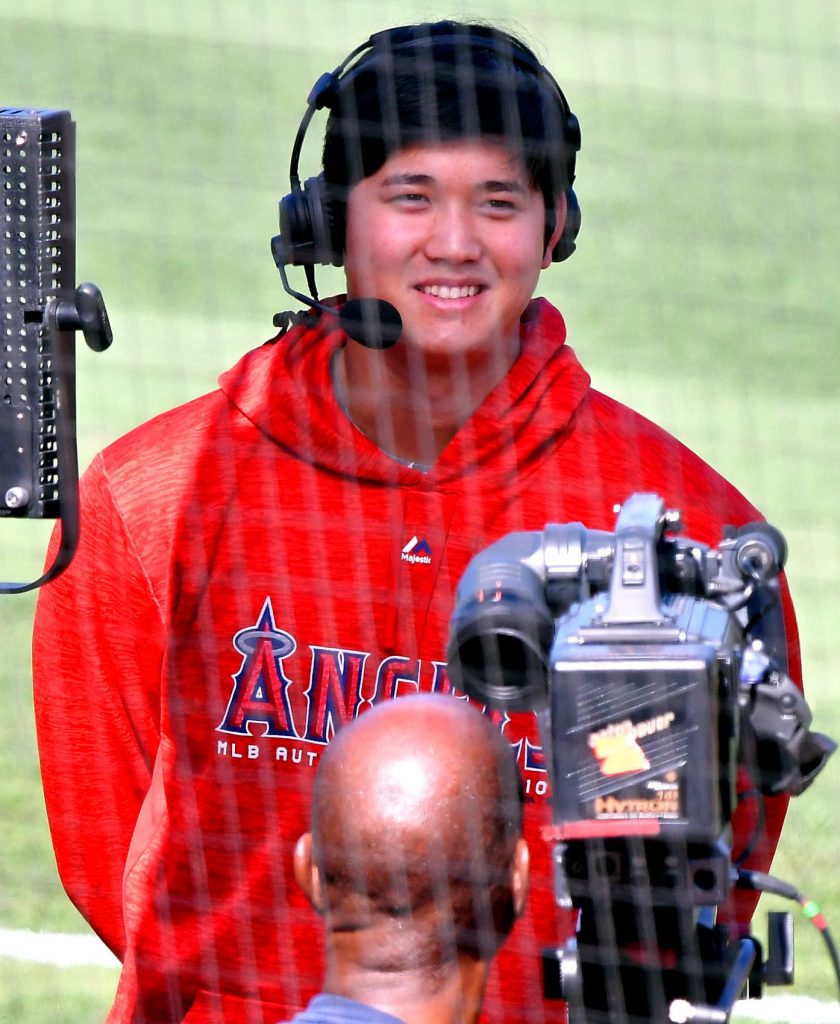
x=307, y=875
x=520, y=876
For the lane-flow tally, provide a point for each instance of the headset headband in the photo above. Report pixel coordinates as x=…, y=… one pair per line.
x=407, y=37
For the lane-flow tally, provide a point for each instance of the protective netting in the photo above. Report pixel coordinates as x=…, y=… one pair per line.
x=701, y=294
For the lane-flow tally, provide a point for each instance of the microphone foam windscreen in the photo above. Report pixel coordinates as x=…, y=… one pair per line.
x=372, y=322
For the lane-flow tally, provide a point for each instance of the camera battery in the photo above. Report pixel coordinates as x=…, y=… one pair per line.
x=636, y=746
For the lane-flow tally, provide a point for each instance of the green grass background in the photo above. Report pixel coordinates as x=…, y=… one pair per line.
x=704, y=290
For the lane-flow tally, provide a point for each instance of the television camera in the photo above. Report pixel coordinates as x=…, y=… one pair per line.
x=656, y=667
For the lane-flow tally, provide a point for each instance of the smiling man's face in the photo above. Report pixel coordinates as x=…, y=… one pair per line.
x=453, y=235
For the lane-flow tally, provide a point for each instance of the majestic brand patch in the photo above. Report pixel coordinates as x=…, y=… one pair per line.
x=417, y=550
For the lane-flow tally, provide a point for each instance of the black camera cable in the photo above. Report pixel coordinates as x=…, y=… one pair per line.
x=761, y=882
x=758, y=828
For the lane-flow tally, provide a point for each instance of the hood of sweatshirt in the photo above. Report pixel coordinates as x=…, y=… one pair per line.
x=285, y=389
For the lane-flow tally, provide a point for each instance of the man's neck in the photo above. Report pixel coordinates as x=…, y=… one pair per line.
x=451, y=995
x=410, y=406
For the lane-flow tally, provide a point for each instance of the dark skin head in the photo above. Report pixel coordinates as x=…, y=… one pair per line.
x=415, y=859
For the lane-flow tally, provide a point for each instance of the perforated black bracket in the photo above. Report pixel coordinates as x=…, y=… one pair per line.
x=40, y=311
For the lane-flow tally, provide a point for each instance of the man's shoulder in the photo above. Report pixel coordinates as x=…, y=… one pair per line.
x=629, y=443
x=171, y=434
x=155, y=460
x=608, y=414
x=609, y=410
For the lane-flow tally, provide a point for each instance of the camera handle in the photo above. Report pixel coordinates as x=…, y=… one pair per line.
x=683, y=1012
x=563, y=978
x=54, y=462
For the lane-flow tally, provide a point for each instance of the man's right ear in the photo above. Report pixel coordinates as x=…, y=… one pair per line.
x=561, y=212
x=520, y=877
x=307, y=875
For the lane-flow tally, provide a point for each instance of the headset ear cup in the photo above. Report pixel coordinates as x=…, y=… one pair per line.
x=307, y=227
x=322, y=220
x=566, y=243
x=293, y=243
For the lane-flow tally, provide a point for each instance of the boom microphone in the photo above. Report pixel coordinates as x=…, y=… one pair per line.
x=374, y=323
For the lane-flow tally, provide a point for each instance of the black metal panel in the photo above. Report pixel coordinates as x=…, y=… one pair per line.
x=37, y=150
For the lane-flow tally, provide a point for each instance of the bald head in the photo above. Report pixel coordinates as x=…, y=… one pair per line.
x=416, y=835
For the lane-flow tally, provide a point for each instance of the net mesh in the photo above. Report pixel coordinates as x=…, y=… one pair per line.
x=701, y=294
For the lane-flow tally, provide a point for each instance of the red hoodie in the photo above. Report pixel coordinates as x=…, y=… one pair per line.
x=253, y=572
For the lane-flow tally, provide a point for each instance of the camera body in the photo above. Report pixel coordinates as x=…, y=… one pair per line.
x=643, y=732
x=656, y=667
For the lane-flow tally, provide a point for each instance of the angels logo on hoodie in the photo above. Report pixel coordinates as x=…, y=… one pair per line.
x=260, y=691
x=299, y=715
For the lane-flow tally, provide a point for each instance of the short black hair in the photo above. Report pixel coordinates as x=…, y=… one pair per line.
x=444, y=81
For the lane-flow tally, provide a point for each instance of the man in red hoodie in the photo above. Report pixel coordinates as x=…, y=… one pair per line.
x=263, y=564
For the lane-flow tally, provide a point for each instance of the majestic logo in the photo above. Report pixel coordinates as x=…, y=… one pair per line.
x=617, y=746
x=417, y=551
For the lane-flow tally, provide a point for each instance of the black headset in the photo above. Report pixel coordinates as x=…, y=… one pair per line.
x=307, y=223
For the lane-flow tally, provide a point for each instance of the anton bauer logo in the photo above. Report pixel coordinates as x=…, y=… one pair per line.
x=417, y=551
x=617, y=746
